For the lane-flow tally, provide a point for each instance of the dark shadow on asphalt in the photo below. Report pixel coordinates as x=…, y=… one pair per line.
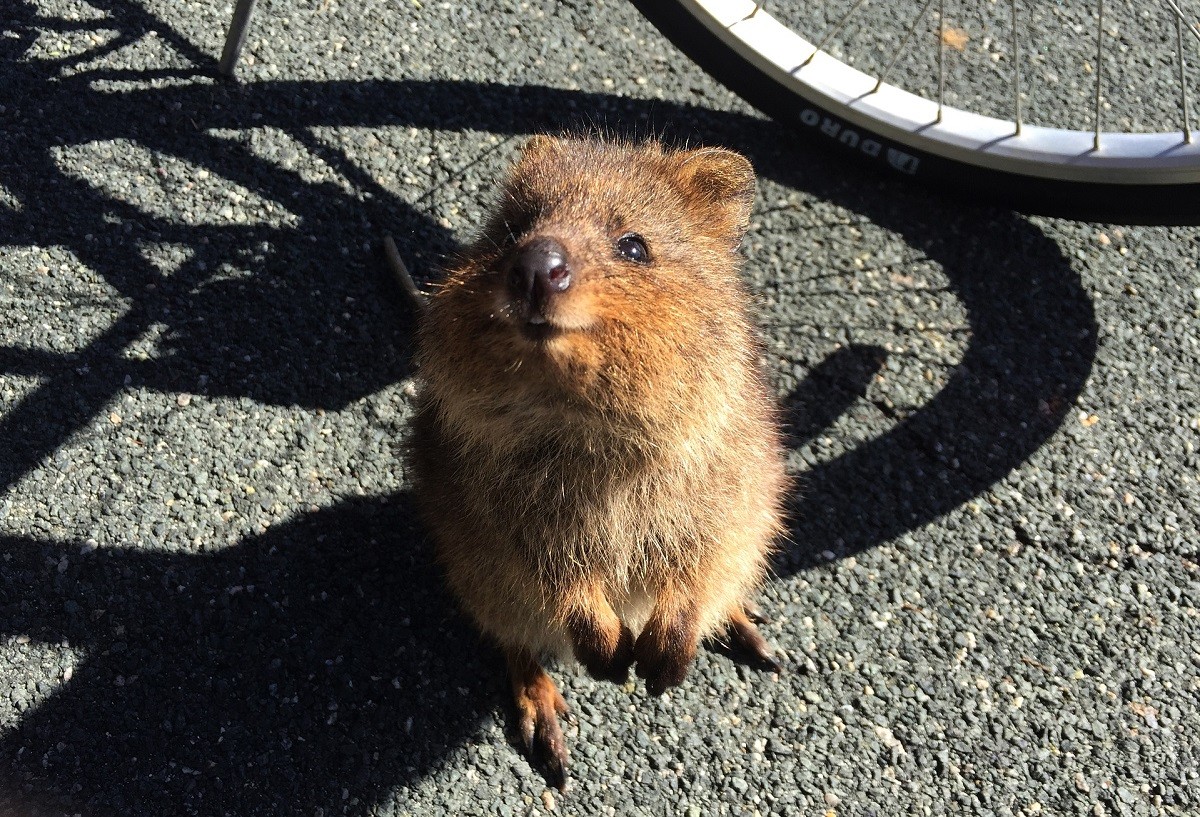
x=319, y=666
x=1031, y=347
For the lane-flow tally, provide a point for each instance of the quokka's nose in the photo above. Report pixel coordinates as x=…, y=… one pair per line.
x=540, y=270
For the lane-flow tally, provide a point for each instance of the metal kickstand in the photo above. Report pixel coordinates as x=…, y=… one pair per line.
x=236, y=38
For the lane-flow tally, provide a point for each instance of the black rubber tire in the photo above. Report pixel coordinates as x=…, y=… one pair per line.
x=1087, y=201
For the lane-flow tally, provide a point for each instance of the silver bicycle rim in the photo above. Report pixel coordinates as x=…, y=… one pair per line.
x=927, y=125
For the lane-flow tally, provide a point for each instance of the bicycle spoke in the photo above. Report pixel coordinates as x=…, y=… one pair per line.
x=1187, y=119
x=1016, y=49
x=1194, y=28
x=900, y=48
x=1180, y=20
x=941, y=57
x=830, y=34
x=1099, y=69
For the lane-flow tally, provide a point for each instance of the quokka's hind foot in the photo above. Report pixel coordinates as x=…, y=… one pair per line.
x=744, y=637
x=539, y=704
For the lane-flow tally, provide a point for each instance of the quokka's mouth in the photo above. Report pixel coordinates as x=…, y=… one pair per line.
x=538, y=329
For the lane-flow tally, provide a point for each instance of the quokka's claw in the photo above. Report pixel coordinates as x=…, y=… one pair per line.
x=744, y=636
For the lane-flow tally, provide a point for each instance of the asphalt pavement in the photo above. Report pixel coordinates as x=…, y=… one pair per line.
x=215, y=598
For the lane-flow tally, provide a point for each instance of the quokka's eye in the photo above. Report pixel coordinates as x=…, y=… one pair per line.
x=632, y=247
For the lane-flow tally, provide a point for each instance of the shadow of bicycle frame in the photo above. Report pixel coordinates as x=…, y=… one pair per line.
x=319, y=665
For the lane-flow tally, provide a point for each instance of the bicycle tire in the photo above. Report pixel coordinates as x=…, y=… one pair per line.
x=1152, y=192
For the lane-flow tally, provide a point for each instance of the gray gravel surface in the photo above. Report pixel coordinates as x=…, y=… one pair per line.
x=214, y=596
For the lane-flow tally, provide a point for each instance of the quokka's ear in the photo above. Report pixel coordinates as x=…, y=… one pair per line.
x=538, y=148
x=722, y=182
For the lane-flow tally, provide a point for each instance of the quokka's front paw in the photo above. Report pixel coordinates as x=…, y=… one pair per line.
x=664, y=654
x=607, y=662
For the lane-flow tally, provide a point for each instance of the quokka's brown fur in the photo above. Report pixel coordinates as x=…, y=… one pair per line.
x=596, y=451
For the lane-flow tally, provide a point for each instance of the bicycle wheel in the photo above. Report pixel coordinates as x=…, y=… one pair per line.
x=1077, y=172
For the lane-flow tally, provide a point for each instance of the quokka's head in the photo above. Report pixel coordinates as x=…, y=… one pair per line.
x=604, y=264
